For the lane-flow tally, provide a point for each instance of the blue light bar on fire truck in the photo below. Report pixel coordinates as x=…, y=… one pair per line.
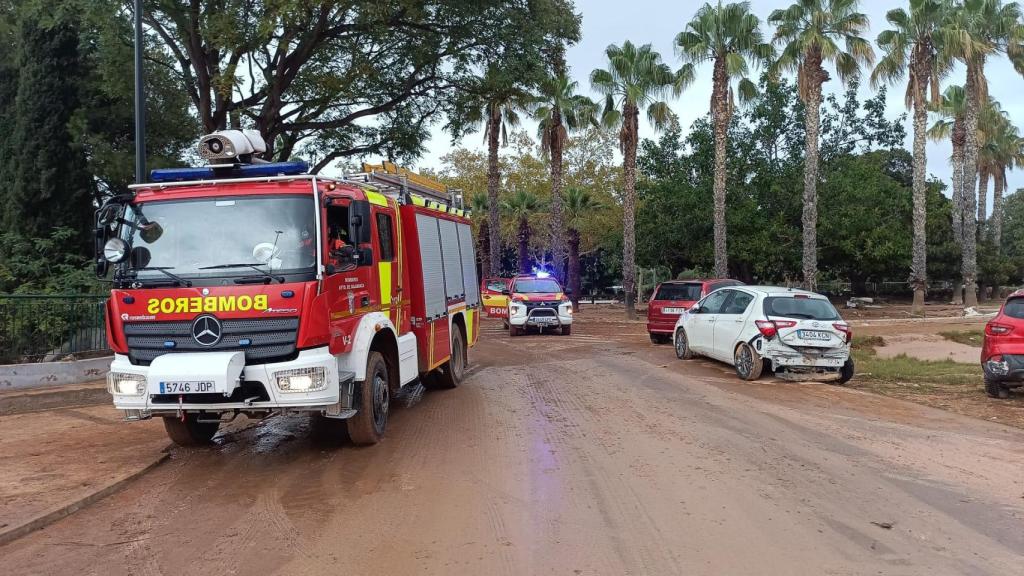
x=235, y=171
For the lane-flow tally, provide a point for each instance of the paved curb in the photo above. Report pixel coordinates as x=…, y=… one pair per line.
x=48, y=374
x=10, y=534
x=22, y=401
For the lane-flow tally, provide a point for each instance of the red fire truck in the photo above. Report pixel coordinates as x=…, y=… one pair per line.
x=258, y=289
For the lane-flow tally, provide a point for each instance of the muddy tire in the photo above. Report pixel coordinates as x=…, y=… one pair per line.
x=566, y=330
x=190, y=432
x=846, y=372
x=682, y=345
x=451, y=373
x=368, y=425
x=514, y=331
x=995, y=389
x=660, y=339
x=748, y=362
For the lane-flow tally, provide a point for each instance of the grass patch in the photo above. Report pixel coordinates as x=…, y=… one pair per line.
x=969, y=337
x=926, y=375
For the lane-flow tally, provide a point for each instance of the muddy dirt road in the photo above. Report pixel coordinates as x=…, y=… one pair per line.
x=591, y=454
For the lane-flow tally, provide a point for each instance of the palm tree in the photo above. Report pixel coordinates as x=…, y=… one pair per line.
x=951, y=109
x=1007, y=150
x=499, y=100
x=810, y=32
x=727, y=36
x=636, y=77
x=521, y=206
x=910, y=49
x=479, y=203
x=992, y=123
x=974, y=31
x=578, y=204
x=558, y=111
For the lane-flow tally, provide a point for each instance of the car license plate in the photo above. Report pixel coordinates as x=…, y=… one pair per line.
x=673, y=310
x=814, y=335
x=187, y=387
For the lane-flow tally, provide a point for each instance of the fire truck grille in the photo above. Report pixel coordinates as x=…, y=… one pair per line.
x=262, y=340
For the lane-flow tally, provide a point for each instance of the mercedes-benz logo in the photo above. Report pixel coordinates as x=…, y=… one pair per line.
x=206, y=331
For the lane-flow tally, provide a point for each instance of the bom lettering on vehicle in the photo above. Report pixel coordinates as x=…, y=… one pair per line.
x=197, y=304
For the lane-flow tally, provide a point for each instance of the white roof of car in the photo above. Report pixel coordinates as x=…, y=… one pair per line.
x=778, y=291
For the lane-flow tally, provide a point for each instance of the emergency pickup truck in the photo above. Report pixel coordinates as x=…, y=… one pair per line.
x=257, y=289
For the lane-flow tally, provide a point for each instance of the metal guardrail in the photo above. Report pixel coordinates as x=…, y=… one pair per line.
x=42, y=328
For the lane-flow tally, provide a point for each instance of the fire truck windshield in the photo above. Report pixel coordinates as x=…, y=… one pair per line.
x=213, y=237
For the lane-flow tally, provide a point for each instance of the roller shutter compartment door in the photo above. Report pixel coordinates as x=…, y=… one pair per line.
x=466, y=246
x=433, y=266
x=452, y=259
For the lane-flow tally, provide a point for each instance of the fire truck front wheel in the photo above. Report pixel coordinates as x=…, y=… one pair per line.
x=367, y=426
x=190, y=431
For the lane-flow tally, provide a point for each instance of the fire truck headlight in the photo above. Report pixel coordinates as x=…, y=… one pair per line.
x=115, y=250
x=126, y=384
x=302, y=380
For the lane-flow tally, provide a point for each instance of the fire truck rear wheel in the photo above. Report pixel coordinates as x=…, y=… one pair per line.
x=451, y=373
x=367, y=426
x=190, y=432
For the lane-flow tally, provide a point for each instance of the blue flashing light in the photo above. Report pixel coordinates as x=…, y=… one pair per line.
x=244, y=171
x=287, y=293
x=541, y=273
x=244, y=342
x=169, y=344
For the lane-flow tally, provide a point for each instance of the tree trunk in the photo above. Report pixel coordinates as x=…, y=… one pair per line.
x=524, y=246
x=983, y=178
x=969, y=264
x=483, y=248
x=557, y=233
x=919, y=264
x=721, y=113
x=996, y=223
x=493, y=185
x=810, y=209
x=573, y=266
x=629, y=136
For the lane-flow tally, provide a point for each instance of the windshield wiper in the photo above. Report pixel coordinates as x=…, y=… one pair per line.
x=255, y=267
x=164, y=270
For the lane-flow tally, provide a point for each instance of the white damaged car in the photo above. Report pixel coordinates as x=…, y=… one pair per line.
x=794, y=333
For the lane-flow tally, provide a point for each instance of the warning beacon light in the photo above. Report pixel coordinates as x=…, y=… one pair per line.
x=231, y=146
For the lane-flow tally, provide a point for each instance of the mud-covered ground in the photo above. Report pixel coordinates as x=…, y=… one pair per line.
x=596, y=453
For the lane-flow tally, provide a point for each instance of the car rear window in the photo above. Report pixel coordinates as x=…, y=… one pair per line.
x=1014, y=308
x=801, y=308
x=679, y=292
x=497, y=285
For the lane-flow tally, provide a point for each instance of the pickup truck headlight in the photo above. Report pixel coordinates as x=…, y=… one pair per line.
x=302, y=379
x=126, y=383
x=515, y=309
x=565, y=308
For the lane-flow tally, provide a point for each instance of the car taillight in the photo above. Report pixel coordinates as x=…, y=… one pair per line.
x=770, y=328
x=845, y=329
x=993, y=329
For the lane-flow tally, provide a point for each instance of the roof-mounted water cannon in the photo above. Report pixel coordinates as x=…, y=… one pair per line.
x=232, y=147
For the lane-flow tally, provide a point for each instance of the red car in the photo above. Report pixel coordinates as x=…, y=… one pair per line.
x=1002, y=354
x=672, y=298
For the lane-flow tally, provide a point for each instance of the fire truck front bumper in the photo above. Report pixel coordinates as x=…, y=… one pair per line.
x=219, y=382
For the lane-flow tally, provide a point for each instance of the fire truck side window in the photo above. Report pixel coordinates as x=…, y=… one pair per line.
x=385, y=235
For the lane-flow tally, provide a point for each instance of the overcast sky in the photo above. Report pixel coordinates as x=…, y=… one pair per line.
x=658, y=21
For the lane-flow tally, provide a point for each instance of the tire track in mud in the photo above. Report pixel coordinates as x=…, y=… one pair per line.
x=638, y=541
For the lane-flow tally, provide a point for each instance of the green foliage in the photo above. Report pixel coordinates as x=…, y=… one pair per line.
x=47, y=265
x=1013, y=234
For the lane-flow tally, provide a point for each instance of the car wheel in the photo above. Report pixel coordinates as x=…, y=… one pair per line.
x=189, y=431
x=995, y=389
x=682, y=346
x=567, y=330
x=748, y=362
x=367, y=426
x=846, y=372
x=514, y=331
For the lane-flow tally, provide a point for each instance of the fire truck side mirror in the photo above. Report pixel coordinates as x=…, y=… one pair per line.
x=359, y=215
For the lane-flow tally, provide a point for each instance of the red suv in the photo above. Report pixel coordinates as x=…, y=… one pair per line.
x=672, y=298
x=1002, y=354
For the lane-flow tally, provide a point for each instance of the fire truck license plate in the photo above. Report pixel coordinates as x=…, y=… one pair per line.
x=188, y=387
